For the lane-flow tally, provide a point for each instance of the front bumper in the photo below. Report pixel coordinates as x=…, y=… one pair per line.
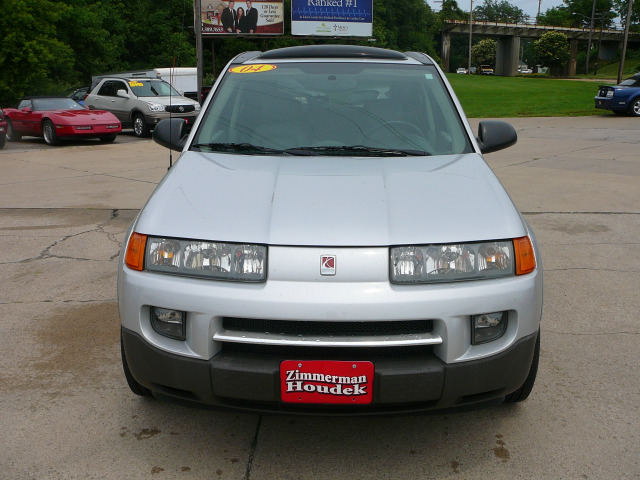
x=155, y=117
x=408, y=384
x=611, y=103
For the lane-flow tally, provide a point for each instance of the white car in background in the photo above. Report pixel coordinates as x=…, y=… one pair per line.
x=331, y=241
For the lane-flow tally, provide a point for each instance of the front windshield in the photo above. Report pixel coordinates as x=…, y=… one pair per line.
x=631, y=82
x=64, y=103
x=151, y=88
x=333, y=105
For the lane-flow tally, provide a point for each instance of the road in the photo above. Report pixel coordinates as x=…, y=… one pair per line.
x=66, y=411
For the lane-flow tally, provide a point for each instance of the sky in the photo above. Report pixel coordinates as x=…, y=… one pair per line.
x=530, y=7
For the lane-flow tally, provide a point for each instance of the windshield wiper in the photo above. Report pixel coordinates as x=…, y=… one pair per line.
x=360, y=150
x=243, y=148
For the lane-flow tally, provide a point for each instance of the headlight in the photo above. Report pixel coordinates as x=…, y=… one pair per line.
x=197, y=107
x=195, y=258
x=610, y=93
x=156, y=107
x=452, y=263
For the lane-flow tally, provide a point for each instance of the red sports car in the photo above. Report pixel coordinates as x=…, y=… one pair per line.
x=58, y=118
x=3, y=129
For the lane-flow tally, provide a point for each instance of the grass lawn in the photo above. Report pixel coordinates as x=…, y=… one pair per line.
x=490, y=97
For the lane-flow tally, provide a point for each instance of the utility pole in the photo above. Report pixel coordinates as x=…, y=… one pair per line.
x=470, y=33
x=197, y=25
x=539, y=5
x=626, y=38
x=595, y=67
x=593, y=13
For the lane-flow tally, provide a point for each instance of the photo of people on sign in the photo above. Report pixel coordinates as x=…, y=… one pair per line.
x=351, y=18
x=247, y=17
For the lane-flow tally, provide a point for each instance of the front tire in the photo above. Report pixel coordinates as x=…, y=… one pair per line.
x=3, y=140
x=12, y=135
x=49, y=133
x=523, y=392
x=140, y=127
x=108, y=138
x=634, y=108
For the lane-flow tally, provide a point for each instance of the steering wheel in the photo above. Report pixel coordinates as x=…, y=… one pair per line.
x=399, y=126
x=407, y=132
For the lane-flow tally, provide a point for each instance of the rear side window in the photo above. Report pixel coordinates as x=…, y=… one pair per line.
x=107, y=89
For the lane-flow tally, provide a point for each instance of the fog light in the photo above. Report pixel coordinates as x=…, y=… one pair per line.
x=488, y=327
x=170, y=323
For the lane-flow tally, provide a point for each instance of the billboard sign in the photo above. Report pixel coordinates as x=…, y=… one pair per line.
x=352, y=18
x=245, y=17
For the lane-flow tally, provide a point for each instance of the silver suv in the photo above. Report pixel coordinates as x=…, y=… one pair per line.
x=140, y=103
x=331, y=241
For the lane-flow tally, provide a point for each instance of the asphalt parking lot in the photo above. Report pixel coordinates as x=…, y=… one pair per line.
x=66, y=411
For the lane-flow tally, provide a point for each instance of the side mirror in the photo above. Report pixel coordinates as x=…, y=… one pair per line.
x=494, y=135
x=26, y=109
x=170, y=133
x=123, y=93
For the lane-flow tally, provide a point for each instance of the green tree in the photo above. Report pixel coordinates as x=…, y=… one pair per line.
x=484, y=52
x=552, y=50
x=32, y=58
x=95, y=32
x=557, y=17
x=581, y=10
x=621, y=7
x=451, y=11
x=498, y=11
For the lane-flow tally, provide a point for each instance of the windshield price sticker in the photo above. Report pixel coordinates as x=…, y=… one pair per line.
x=258, y=68
x=326, y=381
x=135, y=84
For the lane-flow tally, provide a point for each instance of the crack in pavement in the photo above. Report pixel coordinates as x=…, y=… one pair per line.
x=57, y=300
x=550, y=156
x=87, y=172
x=252, y=451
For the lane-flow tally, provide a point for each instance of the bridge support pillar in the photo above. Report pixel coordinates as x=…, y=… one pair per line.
x=573, y=57
x=507, y=56
x=446, y=50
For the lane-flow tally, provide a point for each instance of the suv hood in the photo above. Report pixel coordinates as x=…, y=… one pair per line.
x=331, y=201
x=169, y=100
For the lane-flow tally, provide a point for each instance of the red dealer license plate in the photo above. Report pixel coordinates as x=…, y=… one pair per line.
x=326, y=381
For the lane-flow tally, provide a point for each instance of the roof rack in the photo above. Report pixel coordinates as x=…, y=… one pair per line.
x=333, y=51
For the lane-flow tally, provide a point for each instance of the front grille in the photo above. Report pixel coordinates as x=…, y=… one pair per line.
x=297, y=327
x=327, y=353
x=294, y=330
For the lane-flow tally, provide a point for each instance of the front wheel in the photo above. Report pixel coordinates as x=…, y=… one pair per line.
x=634, y=108
x=140, y=127
x=108, y=138
x=49, y=133
x=12, y=135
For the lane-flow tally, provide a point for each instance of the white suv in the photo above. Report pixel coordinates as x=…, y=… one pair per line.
x=331, y=241
x=140, y=103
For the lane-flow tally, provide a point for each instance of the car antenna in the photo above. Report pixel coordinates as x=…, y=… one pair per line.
x=171, y=110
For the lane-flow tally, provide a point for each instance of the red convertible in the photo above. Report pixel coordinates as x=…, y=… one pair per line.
x=59, y=118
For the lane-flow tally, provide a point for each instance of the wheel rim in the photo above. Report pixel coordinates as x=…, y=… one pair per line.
x=636, y=107
x=137, y=126
x=46, y=131
x=9, y=131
